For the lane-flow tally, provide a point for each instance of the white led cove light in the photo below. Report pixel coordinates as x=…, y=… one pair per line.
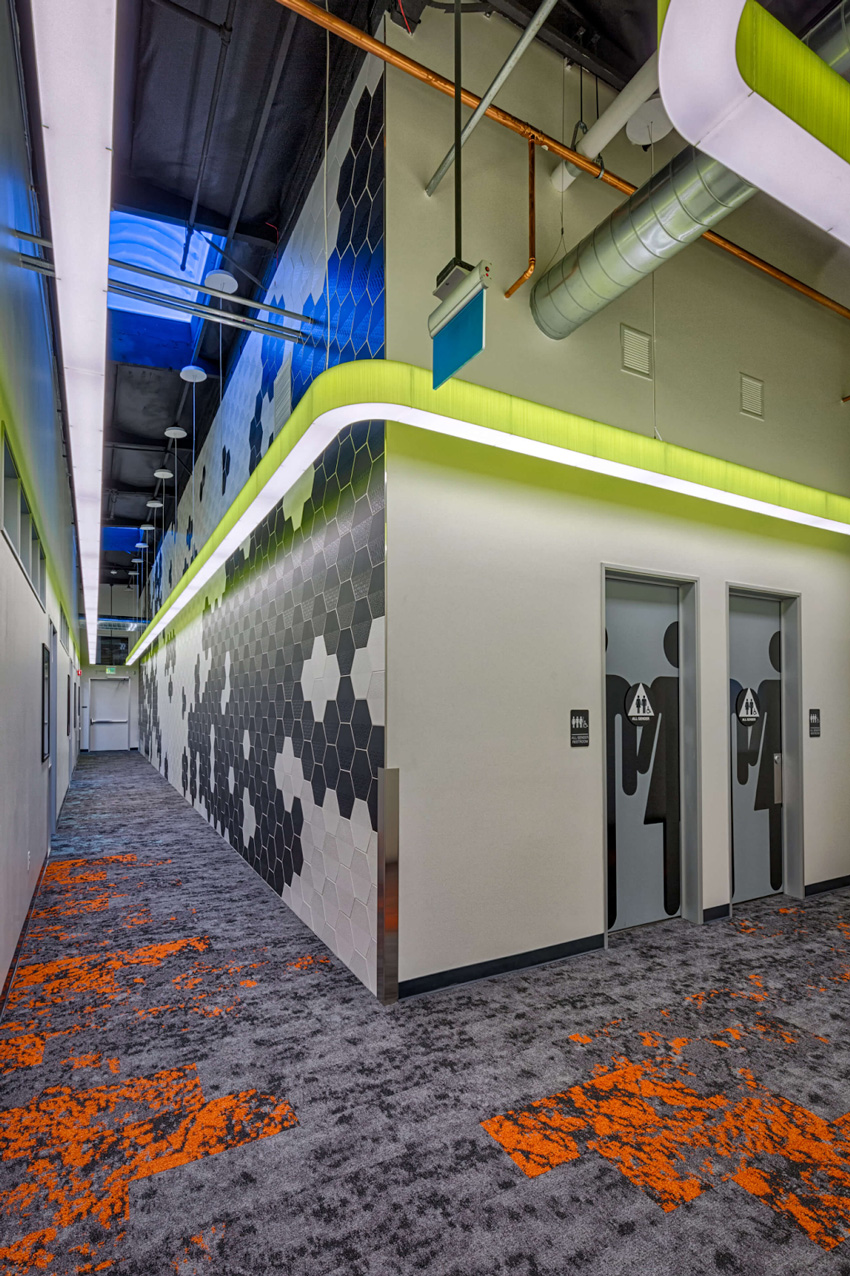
x=75, y=61
x=325, y=428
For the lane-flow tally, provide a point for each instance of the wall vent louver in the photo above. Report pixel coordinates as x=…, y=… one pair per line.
x=636, y=349
x=752, y=396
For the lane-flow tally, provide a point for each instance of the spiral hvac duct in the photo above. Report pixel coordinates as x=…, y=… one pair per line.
x=674, y=208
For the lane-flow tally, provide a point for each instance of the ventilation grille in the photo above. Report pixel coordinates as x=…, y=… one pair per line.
x=752, y=396
x=636, y=348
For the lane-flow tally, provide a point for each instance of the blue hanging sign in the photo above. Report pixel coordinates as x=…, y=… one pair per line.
x=460, y=340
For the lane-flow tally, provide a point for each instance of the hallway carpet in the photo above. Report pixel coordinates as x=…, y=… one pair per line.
x=192, y=1084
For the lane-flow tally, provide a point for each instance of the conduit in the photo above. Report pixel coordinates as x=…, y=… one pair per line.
x=360, y=39
x=639, y=89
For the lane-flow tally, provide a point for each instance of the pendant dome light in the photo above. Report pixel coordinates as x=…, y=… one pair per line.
x=163, y=474
x=194, y=375
x=222, y=281
x=175, y=432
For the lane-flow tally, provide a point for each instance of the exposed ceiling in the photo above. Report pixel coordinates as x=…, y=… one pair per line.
x=245, y=168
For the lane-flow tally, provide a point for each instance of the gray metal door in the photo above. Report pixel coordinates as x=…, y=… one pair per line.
x=642, y=702
x=755, y=716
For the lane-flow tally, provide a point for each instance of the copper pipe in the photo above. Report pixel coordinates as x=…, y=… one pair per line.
x=775, y=273
x=338, y=26
x=532, y=227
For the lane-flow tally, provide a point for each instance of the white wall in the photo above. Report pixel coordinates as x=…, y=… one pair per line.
x=495, y=630
x=714, y=316
x=24, y=627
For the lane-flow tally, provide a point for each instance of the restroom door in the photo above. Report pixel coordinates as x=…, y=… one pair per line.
x=755, y=716
x=643, y=780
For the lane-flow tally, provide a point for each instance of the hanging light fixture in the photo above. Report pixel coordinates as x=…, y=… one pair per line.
x=175, y=432
x=194, y=375
x=163, y=474
x=222, y=281
x=154, y=503
x=141, y=545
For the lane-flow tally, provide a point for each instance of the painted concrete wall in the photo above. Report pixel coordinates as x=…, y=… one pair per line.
x=29, y=420
x=495, y=631
x=713, y=317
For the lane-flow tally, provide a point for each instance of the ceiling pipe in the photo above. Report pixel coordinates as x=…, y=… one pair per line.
x=368, y=43
x=139, y=293
x=501, y=76
x=284, y=44
x=677, y=206
x=616, y=116
x=234, y=298
x=532, y=227
x=225, y=33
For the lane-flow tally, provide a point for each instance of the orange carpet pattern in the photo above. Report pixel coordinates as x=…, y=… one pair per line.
x=668, y=1134
x=75, y=1150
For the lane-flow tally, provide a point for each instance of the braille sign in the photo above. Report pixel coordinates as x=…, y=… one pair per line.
x=814, y=722
x=579, y=728
x=747, y=707
x=638, y=705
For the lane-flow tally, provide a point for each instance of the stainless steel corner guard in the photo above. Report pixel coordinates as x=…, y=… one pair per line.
x=387, y=885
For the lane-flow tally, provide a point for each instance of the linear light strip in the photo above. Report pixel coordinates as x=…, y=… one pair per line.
x=75, y=60
x=325, y=428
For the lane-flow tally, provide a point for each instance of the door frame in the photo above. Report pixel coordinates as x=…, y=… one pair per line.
x=113, y=678
x=690, y=736
x=790, y=628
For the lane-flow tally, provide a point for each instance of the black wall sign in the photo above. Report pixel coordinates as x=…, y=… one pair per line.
x=814, y=722
x=579, y=728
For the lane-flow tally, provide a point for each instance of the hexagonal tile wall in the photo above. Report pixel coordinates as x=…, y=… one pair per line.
x=282, y=669
x=345, y=308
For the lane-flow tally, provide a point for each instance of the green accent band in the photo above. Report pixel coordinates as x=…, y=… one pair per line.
x=54, y=574
x=384, y=382
x=785, y=72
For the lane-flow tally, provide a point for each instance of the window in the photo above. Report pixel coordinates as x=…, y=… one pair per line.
x=68, y=729
x=20, y=529
x=11, y=499
x=64, y=630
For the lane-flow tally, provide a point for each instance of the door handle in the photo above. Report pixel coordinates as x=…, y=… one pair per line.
x=777, y=779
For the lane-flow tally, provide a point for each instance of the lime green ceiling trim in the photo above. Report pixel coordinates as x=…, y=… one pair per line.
x=383, y=390
x=780, y=68
x=55, y=574
x=663, y=6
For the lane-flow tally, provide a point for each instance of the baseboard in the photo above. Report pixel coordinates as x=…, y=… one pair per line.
x=831, y=884
x=16, y=956
x=500, y=966
x=717, y=913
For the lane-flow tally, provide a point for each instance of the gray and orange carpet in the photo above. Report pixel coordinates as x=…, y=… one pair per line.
x=192, y=1084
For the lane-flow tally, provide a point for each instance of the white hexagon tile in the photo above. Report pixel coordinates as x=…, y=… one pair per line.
x=265, y=707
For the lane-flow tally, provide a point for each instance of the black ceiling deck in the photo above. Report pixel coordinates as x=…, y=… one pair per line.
x=166, y=66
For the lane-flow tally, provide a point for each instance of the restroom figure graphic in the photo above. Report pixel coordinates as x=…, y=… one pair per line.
x=650, y=747
x=757, y=740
